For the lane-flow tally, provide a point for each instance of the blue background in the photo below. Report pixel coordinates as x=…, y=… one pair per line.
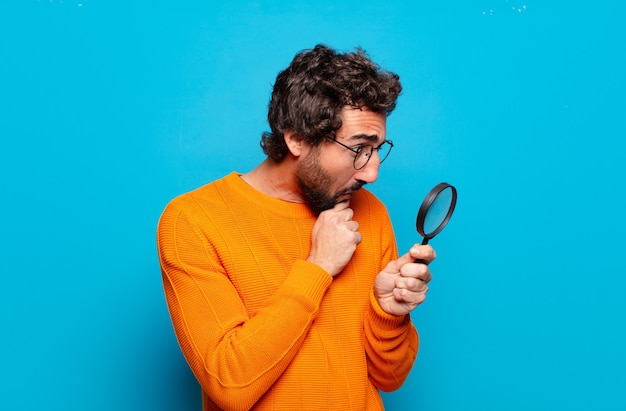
x=110, y=109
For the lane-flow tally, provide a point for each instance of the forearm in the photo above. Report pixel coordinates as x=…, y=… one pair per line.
x=391, y=344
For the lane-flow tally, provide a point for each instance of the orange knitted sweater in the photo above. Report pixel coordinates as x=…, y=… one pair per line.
x=263, y=328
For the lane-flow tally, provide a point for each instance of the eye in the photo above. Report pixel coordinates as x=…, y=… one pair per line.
x=355, y=149
x=365, y=151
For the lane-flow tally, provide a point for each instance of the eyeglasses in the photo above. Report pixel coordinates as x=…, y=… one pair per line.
x=364, y=153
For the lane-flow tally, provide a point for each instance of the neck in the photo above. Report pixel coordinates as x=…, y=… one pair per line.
x=276, y=180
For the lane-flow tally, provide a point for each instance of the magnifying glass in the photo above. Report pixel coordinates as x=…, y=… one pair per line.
x=435, y=211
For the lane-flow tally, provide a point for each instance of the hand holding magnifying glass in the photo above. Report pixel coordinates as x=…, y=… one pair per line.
x=435, y=211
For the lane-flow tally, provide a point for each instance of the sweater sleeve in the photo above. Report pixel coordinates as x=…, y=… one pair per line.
x=391, y=342
x=236, y=357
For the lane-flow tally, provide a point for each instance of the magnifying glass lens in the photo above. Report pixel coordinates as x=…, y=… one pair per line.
x=438, y=211
x=435, y=211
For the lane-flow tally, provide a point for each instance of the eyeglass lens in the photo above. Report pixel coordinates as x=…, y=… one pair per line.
x=366, y=153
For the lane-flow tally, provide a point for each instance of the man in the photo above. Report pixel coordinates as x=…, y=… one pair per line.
x=283, y=284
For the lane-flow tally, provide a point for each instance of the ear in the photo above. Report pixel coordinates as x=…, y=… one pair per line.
x=295, y=143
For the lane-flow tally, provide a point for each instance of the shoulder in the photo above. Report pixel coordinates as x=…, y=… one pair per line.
x=375, y=225
x=210, y=198
x=364, y=201
x=370, y=211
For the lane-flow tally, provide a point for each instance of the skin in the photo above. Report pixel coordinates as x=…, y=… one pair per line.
x=328, y=171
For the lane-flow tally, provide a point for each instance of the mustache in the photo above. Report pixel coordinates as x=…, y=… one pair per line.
x=356, y=186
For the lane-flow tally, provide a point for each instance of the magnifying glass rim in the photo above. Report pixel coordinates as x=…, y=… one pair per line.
x=428, y=201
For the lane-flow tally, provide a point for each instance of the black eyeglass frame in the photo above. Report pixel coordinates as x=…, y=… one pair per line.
x=360, y=149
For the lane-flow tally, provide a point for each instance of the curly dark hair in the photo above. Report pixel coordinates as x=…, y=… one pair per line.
x=309, y=95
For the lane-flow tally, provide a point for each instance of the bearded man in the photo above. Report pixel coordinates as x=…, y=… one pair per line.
x=284, y=283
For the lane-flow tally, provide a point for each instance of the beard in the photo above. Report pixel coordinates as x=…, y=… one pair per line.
x=314, y=183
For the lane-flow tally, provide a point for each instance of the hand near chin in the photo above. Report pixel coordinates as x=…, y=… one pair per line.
x=402, y=285
x=335, y=238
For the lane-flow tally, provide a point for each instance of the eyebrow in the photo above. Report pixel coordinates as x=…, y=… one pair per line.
x=367, y=137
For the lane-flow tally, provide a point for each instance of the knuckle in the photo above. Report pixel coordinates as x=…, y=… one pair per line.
x=431, y=252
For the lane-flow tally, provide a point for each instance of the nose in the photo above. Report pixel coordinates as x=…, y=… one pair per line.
x=369, y=173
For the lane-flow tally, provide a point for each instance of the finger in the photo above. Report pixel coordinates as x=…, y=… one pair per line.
x=359, y=237
x=342, y=205
x=352, y=225
x=347, y=214
x=426, y=277
x=424, y=253
x=416, y=270
x=343, y=211
x=408, y=297
x=411, y=284
x=404, y=259
x=354, y=238
x=353, y=228
x=414, y=253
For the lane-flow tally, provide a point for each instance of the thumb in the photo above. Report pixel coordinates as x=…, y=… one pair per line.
x=394, y=265
x=342, y=205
